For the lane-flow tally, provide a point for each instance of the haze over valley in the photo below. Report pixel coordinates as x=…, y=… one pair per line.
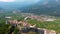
x=29, y=16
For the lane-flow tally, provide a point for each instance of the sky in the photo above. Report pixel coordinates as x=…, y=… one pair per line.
x=7, y=0
x=19, y=0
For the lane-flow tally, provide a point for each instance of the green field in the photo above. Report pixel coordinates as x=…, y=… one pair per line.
x=55, y=25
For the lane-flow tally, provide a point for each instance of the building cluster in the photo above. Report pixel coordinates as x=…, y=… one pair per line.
x=48, y=31
x=41, y=18
x=27, y=28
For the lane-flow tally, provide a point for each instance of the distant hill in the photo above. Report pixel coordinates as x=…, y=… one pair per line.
x=50, y=7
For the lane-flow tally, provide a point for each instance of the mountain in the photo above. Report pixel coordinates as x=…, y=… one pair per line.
x=17, y=4
x=50, y=7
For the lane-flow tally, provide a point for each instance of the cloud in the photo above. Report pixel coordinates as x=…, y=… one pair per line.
x=19, y=0
x=7, y=0
x=57, y=0
x=27, y=0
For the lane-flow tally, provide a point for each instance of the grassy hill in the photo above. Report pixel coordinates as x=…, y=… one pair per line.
x=54, y=25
